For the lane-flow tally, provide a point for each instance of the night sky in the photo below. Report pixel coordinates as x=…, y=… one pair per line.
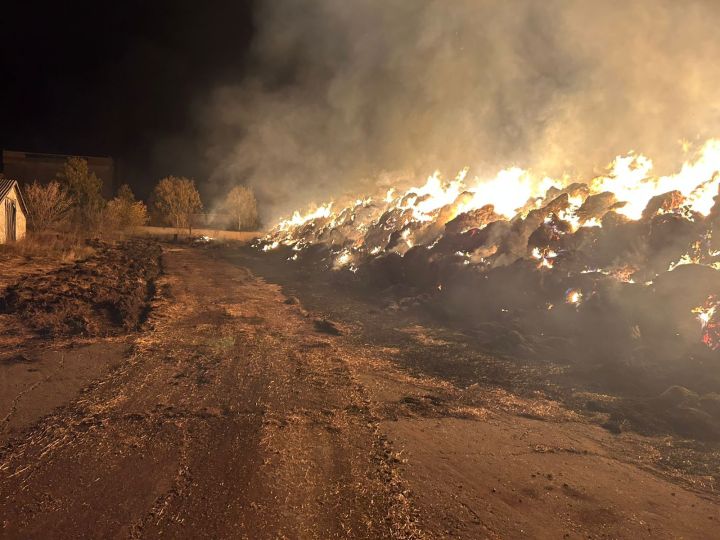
x=118, y=78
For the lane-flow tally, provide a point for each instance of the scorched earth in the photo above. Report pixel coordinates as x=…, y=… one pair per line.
x=208, y=391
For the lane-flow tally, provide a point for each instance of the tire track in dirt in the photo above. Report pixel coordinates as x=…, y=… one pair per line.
x=233, y=418
x=487, y=453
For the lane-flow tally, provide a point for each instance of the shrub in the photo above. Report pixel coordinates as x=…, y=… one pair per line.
x=124, y=212
x=48, y=205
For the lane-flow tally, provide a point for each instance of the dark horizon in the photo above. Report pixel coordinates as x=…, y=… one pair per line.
x=118, y=80
x=309, y=101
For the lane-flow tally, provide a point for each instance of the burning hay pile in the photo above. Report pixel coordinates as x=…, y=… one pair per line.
x=627, y=264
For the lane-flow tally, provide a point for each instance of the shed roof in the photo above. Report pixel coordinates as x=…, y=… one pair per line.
x=6, y=184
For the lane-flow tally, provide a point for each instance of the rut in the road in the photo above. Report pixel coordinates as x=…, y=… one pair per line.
x=233, y=418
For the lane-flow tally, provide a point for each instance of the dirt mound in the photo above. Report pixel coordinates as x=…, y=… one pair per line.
x=103, y=295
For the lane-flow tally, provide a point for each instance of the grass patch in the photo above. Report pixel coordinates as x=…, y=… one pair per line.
x=60, y=247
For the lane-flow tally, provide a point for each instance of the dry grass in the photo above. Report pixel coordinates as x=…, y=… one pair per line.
x=169, y=232
x=40, y=253
x=64, y=247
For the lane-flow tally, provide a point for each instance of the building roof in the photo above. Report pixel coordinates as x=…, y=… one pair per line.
x=25, y=153
x=6, y=184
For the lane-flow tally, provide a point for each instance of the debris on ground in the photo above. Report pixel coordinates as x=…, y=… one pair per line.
x=105, y=294
x=327, y=327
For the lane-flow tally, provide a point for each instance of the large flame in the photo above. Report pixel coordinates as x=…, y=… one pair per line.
x=298, y=219
x=507, y=192
x=629, y=179
x=398, y=220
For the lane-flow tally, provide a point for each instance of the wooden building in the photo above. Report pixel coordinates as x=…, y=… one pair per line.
x=13, y=212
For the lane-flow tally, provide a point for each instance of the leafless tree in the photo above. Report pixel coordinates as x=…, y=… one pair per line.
x=242, y=206
x=48, y=205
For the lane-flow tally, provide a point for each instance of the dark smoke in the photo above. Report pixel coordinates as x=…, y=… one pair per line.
x=349, y=96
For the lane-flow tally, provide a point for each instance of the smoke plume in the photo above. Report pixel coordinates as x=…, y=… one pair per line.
x=348, y=97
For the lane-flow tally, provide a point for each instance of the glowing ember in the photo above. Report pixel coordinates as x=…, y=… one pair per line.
x=623, y=273
x=545, y=257
x=699, y=252
x=573, y=296
x=704, y=314
x=709, y=317
x=343, y=259
x=685, y=259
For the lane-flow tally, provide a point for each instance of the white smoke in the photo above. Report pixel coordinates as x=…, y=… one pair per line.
x=346, y=95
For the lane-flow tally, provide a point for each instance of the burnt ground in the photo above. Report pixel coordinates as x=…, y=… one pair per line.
x=102, y=295
x=258, y=401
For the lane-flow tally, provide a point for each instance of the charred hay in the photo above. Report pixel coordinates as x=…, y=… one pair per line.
x=627, y=304
x=626, y=289
x=106, y=294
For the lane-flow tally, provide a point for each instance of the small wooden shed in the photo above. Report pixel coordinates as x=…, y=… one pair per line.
x=13, y=212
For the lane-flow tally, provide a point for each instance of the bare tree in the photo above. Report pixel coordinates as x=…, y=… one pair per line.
x=242, y=206
x=177, y=199
x=48, y=205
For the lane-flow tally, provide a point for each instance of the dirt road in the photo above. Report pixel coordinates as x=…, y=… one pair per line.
x=238, y=414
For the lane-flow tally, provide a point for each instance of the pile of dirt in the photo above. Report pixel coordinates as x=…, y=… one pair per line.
x=103, y=295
